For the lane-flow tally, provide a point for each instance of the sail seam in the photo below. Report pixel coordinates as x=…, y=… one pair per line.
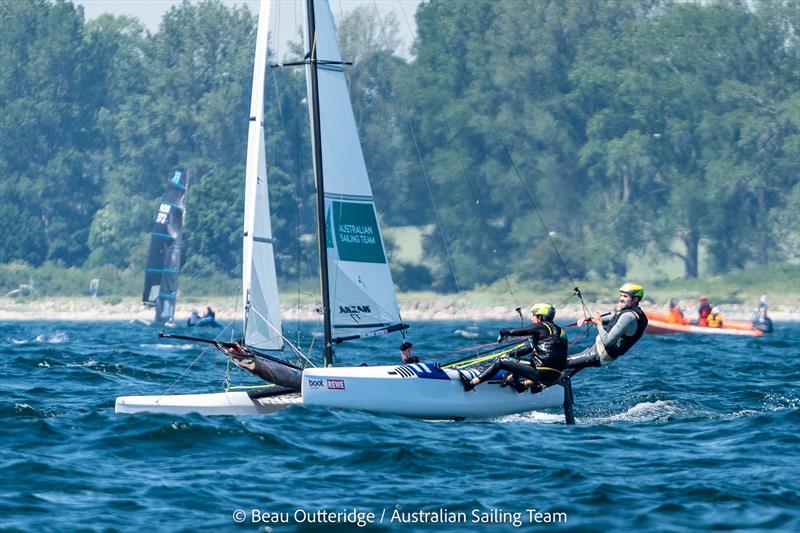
x=343, y=196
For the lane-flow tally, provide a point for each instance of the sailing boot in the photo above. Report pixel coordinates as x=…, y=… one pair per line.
x=514, y=383
x=465, y=381
x=537, y=387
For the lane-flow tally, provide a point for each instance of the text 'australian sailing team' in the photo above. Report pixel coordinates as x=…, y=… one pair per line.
x=397, y=516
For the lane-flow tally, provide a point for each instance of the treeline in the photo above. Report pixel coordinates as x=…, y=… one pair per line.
x=610, y=129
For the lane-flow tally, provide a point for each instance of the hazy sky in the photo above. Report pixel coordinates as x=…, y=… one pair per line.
x=151, y=11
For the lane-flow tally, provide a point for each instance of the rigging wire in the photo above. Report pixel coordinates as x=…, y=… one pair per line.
x=465, y=175
x=504, y=144
x=298, y=352
x=429, y=190
x=285, y=339
x=297, y=144
x=304, y=259
x=438, y=217
x=229, y=326
x=347, y=77
x=202, y=352
x=297, y=176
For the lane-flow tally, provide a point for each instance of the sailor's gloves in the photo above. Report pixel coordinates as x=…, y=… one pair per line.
x=503, y=334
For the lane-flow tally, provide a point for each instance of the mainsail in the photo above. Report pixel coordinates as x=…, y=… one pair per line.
x=164, y=259
x=262, y=323
x=361, y=291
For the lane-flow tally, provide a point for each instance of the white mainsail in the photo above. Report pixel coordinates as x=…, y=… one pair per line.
x=362, y=296
x=262, y=321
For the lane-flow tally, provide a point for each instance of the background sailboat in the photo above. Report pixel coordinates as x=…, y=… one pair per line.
x=164, y=258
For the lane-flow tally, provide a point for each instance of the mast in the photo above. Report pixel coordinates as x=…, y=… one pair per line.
x=316, y=138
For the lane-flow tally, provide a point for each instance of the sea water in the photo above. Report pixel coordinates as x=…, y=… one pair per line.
x=685, y=432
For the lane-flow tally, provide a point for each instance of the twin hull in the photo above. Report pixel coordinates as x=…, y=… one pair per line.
x=419, y=391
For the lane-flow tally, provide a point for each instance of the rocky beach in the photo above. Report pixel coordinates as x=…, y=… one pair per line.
x=441, y=307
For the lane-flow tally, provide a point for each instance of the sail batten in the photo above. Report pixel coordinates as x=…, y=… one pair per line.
x=360, y=287
x=164, y=257
x=262, y=324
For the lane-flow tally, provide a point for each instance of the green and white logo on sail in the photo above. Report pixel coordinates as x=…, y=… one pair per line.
x=356, y=229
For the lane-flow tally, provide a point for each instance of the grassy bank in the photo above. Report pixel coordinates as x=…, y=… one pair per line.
x=781, y=284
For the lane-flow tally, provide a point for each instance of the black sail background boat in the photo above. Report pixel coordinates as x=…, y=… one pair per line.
x=164, y=259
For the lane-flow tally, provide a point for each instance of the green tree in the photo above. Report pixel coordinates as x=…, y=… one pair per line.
x=197, y=70
x=493, y=105
x=48, y=106
x=370, y=42
x=666, y=106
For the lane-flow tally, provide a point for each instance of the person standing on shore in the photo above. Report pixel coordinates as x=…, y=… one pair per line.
x=548, y=346
x=616, y=334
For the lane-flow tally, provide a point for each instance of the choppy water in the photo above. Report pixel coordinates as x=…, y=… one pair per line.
x=685, y=432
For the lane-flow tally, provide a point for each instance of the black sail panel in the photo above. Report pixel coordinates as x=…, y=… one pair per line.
x=164, y=259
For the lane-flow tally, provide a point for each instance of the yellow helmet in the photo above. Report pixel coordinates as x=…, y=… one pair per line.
x=546, y=311
x=633, y=290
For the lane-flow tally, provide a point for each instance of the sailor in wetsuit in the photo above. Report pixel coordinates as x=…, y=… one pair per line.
x=548, y=346
x=615, y=334
x=760, y=319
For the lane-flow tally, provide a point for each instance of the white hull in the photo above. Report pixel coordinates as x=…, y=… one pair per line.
x=405, y=390
x=149, y=323
x=418, y=391
x=220, y=403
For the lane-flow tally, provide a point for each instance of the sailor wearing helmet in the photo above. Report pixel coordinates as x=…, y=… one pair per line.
x=615, y=334
x=547, y=347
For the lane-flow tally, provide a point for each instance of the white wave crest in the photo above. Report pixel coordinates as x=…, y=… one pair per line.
x=533, y=417
x=659, y=410
x=57, y=337
x=778, y=402
x=91, y=363
x=164, y=346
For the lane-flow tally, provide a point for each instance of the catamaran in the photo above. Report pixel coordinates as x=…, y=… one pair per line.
x=358, y=297
x=164, y=259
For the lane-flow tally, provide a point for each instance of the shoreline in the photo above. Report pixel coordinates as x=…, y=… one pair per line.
x=86, y=309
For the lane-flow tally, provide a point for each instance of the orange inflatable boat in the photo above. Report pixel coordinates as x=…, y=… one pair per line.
x=658, y=323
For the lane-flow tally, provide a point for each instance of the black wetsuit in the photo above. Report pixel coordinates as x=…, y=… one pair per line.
x=761, y=321
x=548, y=346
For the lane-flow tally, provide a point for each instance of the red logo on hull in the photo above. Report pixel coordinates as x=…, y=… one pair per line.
x=335, y=384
